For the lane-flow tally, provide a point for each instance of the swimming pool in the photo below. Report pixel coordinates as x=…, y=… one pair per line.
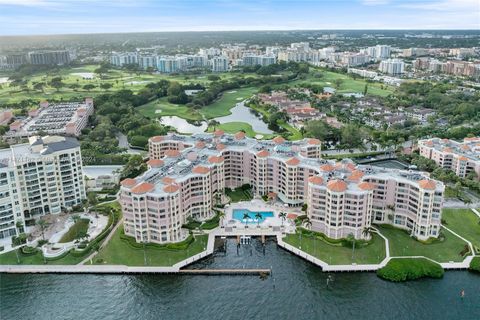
x=238, y=214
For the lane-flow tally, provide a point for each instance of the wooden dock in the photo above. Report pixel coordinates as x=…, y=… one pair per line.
x=230, y=272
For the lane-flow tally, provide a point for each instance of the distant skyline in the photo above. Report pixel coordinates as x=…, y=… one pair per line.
x=34, y=17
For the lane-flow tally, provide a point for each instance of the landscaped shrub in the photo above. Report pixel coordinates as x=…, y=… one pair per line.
x=211, y=223
x=42, y=242
x=404, y=269
x=27, y=250
x=183, y=245
x=475, y=264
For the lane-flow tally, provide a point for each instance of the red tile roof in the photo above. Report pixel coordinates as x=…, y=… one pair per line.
x=263, y=154
x=215, y=159
x=156, y=138
x=143, y=187
x=313, y=141
x=337, y=185
x=200, y=170
x=327, y=167
x=240, y=135
x=366, y=186
x=427, y=184
x=220, y=146
x=315, y=180
x=154, y=163
x=128, y=182
x=219, y=133
x=279, y=140
x=172, y=188
x=172, y=153
x=168, y=180
x=292, y=162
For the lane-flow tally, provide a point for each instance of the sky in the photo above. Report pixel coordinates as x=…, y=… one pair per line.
x=26, y=17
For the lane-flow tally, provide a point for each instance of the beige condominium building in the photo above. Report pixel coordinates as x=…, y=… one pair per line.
x=187, y=175
x=43, y=176
x=463, y=158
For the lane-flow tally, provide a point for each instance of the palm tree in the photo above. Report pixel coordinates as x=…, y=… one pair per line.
x=283, y=216
x=19, y=226
x=258, y=216
x=307, y=222
x=367, y=231
x=214, y=124
x=42, y=224
x=246, y=216
x=221, y=216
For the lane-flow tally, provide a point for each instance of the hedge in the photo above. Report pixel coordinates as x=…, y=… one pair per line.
x=404, y=269
x=183, y=245
x=475, y=264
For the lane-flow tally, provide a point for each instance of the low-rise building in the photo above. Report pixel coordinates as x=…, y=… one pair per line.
x=68, y=118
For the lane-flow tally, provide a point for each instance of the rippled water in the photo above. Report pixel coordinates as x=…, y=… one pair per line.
x=296, y=290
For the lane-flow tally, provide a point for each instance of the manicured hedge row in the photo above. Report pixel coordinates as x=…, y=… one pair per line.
x=169, y=246
x=211, y=223
x=404, y=269
x=475, y=264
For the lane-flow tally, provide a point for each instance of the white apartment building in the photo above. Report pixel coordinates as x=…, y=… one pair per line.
x=187, y=174
x=392, y=66
x=462, y=158
x=43, y=176
x=379, y=52
x=120, y=59
x=219, y=64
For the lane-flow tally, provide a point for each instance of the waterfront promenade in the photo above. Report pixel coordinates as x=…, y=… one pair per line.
x=278, y=233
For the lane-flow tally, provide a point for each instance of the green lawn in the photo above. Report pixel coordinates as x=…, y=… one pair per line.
x=37, y=258
x=337, y=254
x=464, y=222
x=161, y=107
x=118, y=251
x=221, y=107
x=80, y=227
x=401, y=244
x=239, y=194
x=234, y=127
x=348, y=84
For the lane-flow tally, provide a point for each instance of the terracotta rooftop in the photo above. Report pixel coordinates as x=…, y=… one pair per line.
x=172, y=153
x=292, y=216
x=200, y=144
x=292, y=162
x=168, y=180
x=366, y=186
x=263, y=154
x=356, y=175
x=313, y=141
x=278, y=140
x=220, y=146
x=172, y=188
x=447, y=150
x=219, y=133
x=337, y=185
x=327, y=167
x=240, y=135
x=156, y=138
x=427, y=184
x=315, y=180
x=155, y=163
x=143, y=187
x=200, y=170
x=462, y=158
x=128, y=182
x=215, y=159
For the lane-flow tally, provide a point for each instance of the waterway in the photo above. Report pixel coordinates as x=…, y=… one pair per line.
x=296, y=290
x=239, y=113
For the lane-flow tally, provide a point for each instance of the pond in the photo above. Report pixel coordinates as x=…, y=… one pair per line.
x=182, y=125
x=240, y=113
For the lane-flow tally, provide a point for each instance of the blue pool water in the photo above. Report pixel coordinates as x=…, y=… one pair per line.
x=239, y=213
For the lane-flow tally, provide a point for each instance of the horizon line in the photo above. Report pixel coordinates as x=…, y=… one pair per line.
x=240, y=30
